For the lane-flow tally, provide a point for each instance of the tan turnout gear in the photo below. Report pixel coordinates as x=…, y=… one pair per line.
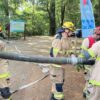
x=87, y=69
x=94, y=52
x=61, y=48
x=4, y=73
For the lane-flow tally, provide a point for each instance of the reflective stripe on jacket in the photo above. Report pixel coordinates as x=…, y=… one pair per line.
x=5, y=75
x=94, y=82
x=58, y=95
x=55, y=51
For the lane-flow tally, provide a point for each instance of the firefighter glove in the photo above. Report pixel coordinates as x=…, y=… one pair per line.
x=5, y=92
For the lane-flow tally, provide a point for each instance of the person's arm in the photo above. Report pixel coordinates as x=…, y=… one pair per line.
x=84, y=47
x=56, y=44
x=93, y=51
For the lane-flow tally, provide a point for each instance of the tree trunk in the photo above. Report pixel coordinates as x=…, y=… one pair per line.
x=62, y=11
x=6, y=7
x=99, y=12
x=52, y=17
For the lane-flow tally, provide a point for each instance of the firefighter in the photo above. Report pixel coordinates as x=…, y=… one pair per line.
x=94, y=81
x=86, y=44
x=4, y=75
x=61, y=46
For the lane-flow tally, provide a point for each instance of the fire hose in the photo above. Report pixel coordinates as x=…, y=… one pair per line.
x=44, y=59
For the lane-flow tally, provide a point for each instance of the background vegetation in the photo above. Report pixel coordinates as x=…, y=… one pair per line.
x=42, y=17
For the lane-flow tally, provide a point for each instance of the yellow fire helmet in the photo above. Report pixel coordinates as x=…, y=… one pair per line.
x=69, y=25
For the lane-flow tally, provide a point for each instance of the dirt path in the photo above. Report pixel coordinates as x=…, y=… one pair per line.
x=25, y=72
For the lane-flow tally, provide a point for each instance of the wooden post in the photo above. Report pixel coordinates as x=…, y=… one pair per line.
x=25, y=33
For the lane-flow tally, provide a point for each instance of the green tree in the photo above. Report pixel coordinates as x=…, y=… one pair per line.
x=96, y=8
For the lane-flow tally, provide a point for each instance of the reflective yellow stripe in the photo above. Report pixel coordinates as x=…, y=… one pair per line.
x=5, y=75
x=66, y=52
x=91, y=53
x=55, y=50
x=55, y=65
x=84, y=48
x=98, y=58
x=70, y=51
x=94, y=82
x=58, y=95
x=81, y=56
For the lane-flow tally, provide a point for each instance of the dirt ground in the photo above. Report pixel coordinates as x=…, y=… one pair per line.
x=26, y=72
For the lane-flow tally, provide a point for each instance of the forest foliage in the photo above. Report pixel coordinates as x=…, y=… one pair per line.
x=43, y=17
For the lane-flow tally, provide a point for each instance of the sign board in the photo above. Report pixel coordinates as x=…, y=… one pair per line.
x=17, y=26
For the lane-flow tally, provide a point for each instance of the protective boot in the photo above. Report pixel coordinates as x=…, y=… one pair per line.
x=86, y=94
x=52, y=97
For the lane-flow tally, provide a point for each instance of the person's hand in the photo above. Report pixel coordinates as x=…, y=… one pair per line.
x=5, y=92
x=80, y=67
x=74, y=59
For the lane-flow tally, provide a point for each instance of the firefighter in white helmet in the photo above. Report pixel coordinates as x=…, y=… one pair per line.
x=61, y=46
x=4, y=76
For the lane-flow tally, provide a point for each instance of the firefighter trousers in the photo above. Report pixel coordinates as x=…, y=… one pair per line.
x=57, y=80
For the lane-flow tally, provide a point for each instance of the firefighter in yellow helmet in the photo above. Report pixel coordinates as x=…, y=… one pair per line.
x=61, y=46
x=4, y=76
